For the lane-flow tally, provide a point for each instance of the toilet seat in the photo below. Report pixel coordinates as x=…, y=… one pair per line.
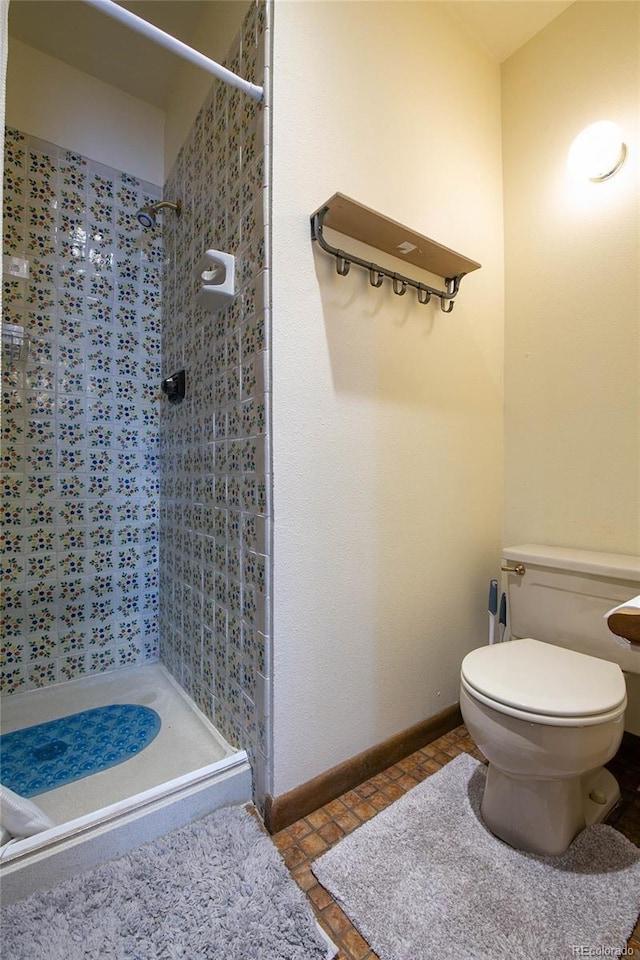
x=545, y=684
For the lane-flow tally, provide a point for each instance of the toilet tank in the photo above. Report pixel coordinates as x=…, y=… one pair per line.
x=563, y=594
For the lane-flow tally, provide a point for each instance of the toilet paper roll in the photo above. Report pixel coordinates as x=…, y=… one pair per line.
x=624, y=622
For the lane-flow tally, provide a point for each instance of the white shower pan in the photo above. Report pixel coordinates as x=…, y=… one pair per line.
x=188, y=771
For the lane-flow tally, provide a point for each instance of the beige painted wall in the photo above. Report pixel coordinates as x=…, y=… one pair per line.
x=387, y=415
x=55, y=102
x=572, y=288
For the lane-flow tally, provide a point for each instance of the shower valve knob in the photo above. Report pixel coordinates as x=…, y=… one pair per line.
x=175, y=387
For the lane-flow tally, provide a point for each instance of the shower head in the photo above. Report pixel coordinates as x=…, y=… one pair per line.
x=147, y=215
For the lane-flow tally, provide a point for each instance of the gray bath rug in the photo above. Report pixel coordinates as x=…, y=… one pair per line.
x=216, y=888
x=425, y=880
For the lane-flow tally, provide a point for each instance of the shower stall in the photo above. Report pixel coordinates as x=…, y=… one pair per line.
x=138, y=531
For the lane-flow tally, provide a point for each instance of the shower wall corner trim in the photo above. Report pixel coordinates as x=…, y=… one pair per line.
x=149, y=30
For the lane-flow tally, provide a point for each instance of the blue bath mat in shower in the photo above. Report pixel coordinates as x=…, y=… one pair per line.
x=48, y=755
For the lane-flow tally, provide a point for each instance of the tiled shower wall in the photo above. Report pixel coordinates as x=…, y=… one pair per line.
x=214, y=515
x=79, y=419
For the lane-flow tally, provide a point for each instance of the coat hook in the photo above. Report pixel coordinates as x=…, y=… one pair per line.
x=449, y=306
x=376, y=272
x=342, y=266
x=452, y=285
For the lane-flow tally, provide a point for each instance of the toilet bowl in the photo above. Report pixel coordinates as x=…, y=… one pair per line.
x=547, y=719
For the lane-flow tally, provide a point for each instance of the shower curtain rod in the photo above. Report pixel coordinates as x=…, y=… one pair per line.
x=112, y=9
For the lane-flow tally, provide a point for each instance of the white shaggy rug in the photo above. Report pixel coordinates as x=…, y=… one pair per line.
x=216, y=888
x=425, y=880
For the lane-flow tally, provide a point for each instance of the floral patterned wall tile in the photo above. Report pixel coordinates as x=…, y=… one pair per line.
x=80, y=418
x=214, y=450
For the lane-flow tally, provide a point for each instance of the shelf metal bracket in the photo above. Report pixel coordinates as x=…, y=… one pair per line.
x=378, y=273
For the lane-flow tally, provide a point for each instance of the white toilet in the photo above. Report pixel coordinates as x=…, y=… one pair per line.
x=548, y=712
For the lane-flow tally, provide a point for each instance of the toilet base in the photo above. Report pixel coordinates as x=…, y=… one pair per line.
x=544, y=816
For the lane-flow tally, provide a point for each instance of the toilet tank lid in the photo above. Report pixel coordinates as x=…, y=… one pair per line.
x=619, y=566
x=541, y=678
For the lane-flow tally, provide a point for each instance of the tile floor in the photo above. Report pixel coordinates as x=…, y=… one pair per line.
x=306, y=839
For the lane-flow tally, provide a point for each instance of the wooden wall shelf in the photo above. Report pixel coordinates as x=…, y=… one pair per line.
x=354, y=220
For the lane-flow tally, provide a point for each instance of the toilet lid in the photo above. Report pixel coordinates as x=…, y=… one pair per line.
x=541, y=678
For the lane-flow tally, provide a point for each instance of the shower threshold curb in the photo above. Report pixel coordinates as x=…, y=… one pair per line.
x=46, y=859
